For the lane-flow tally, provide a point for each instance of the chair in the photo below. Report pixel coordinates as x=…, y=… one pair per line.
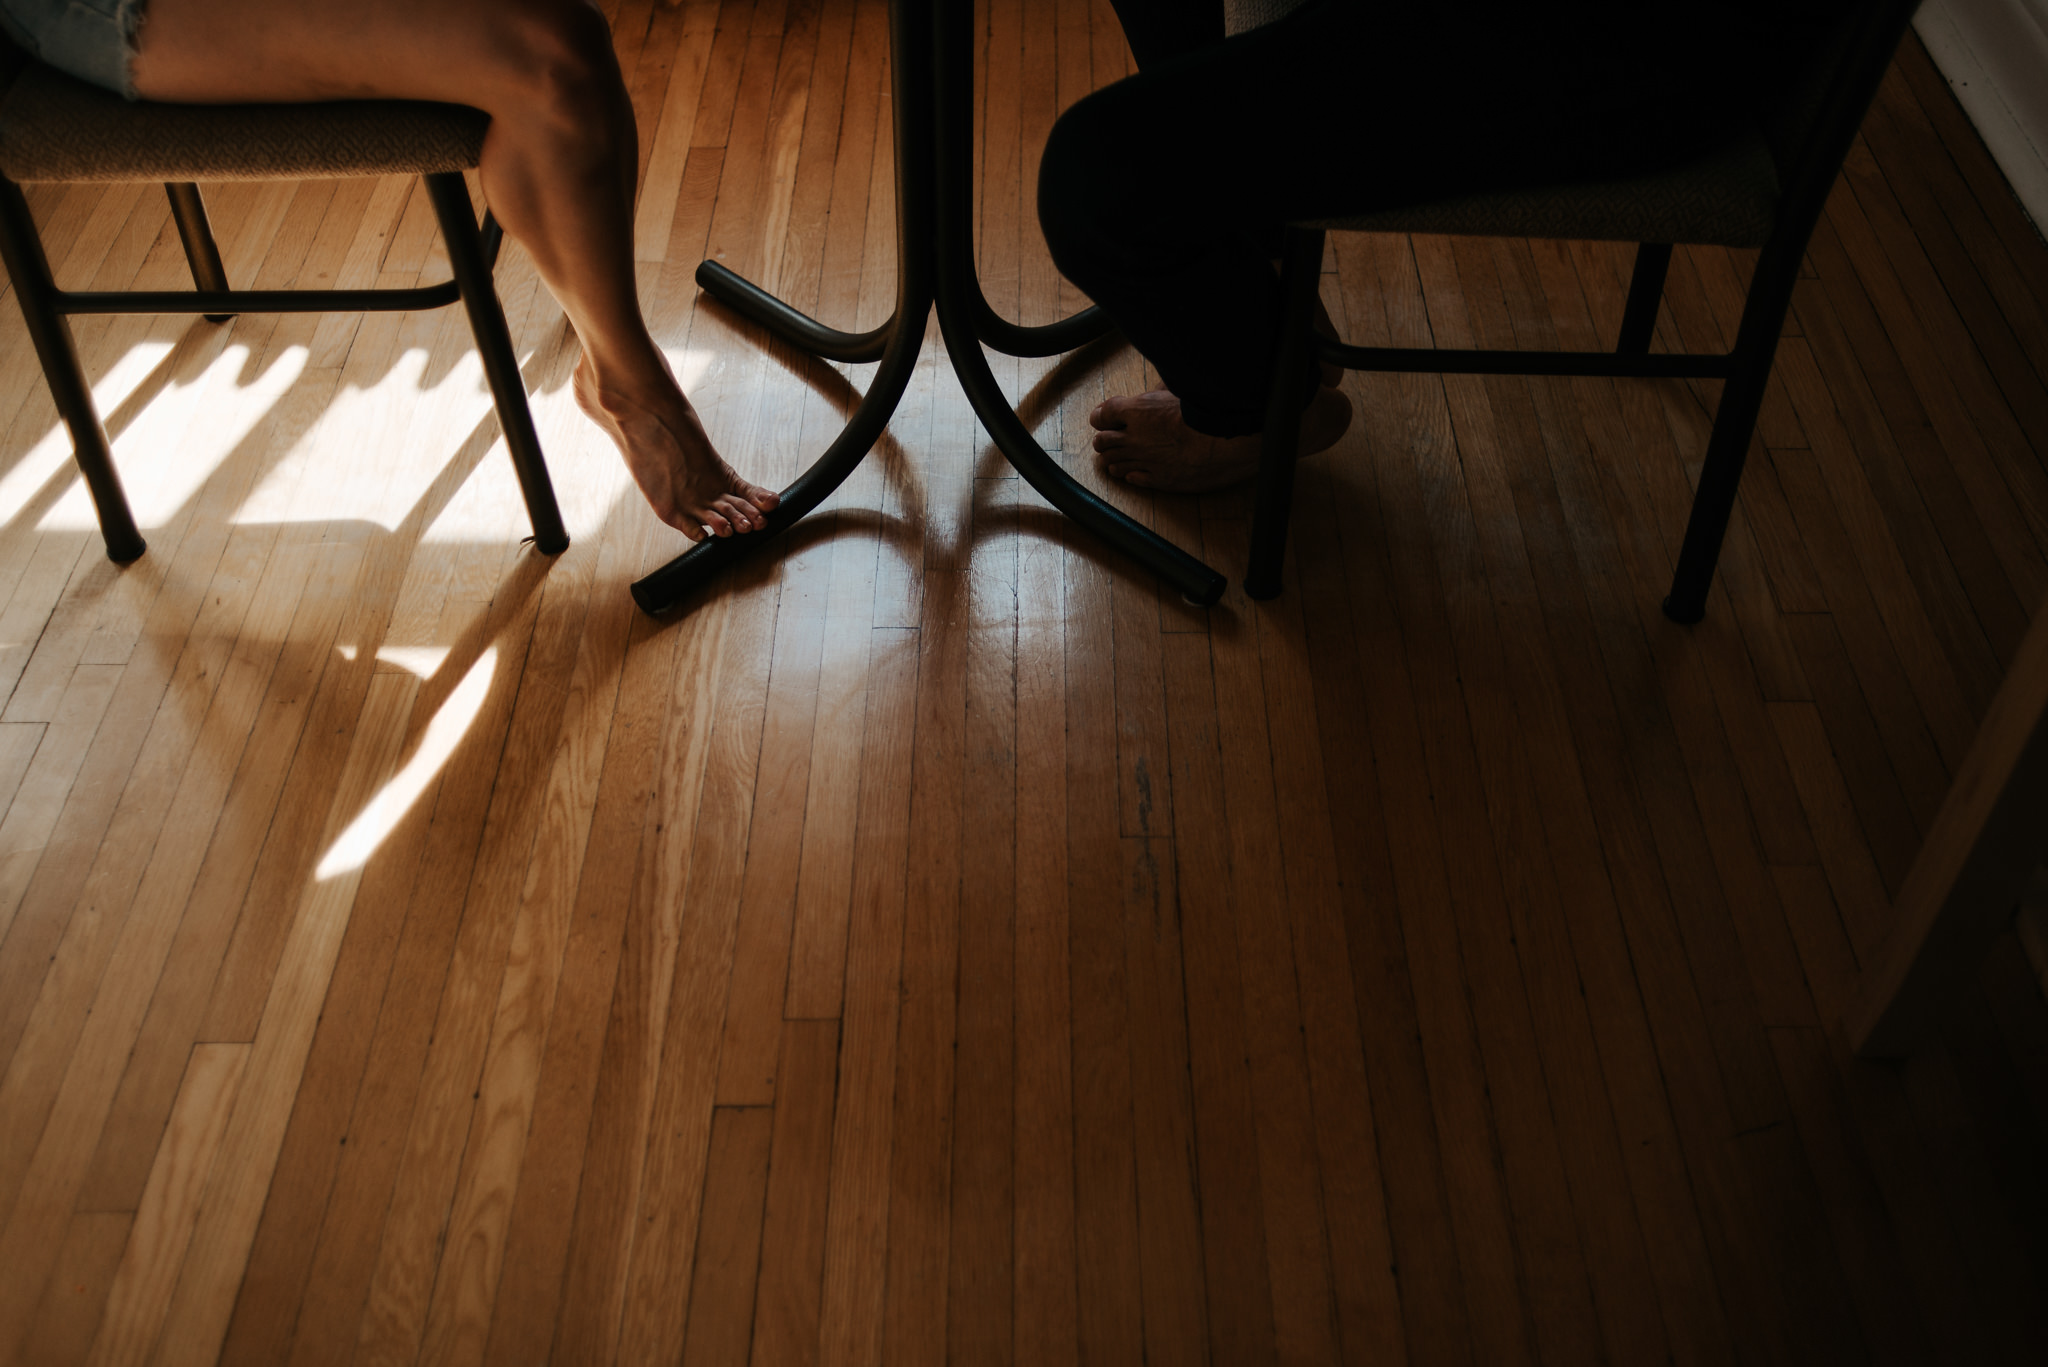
x=1765, y=189
x=1983, y=867
x=54, y=128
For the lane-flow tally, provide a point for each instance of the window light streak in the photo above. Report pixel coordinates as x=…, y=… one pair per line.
x=158, y=488
x=377, y=820
x=252, y=404
x=691, y=366
x=420, y=660
x=43, y=461
x=585, y=467
x=330, y=473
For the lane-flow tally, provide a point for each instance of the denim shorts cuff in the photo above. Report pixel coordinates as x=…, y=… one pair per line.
x=128, y=15
x=94, y=40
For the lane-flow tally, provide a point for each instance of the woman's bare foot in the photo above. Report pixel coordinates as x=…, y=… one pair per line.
x=688, y=484
x=1142, y=440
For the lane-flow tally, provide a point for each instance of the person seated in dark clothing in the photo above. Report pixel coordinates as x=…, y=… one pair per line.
x=1163, y=196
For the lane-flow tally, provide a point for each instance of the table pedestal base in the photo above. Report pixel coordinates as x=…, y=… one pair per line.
x=932, y=71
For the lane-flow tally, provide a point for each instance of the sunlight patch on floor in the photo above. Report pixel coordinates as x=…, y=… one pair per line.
x=158, y=488
x=584, y=466
x=377, y=820
x=420, y=660
x=692, y=365
x=347, y=467
x=47, y=457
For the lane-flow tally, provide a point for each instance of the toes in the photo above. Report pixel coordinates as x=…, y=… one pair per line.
x=1110, y=440
x=767, y=500
x=743, y=515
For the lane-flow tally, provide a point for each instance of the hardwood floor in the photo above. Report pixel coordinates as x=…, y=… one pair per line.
x=941, y=945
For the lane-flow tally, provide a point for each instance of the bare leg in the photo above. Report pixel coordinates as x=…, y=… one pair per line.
x=558, y=168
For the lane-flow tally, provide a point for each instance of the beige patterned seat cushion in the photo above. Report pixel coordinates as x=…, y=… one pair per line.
x=1728, y=198
x=55, y=128
x=1242, y=16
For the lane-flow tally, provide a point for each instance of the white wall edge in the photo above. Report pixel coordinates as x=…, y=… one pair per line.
x=1994, y=54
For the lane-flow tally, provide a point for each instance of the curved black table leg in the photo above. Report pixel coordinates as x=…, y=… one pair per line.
x=934, y=215
x=1195, y=580
x=763, y=309
x=896, y=343
x=1048, y=339
x=669, y=585
x=964, y=315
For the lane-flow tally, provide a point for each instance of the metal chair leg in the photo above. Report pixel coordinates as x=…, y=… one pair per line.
x=1742, y=398
x=51, y=333
x=1645, y=293
x=450, y=194
x=1300, y=274
x=1713, y=503
x=188, y=210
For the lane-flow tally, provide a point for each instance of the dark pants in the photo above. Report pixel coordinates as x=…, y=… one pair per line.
x=1163, y=195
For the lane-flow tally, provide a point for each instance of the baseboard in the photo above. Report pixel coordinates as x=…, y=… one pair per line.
x=1995, y=56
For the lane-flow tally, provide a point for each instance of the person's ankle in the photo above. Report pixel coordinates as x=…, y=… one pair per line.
x=636, y=374
x=620, y=393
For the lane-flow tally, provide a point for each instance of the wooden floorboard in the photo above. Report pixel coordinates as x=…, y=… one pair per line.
x=941, y=943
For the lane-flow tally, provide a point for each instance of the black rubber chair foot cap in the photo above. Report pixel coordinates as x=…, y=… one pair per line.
x=551, y=547
x=1261, y=591
x=1685, y=617
x=125, y=555
x=218, y=317
x=651, y=601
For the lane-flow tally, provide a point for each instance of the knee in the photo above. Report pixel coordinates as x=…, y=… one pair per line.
x=557, y=61
x=1076, y=180
x=1112, y=192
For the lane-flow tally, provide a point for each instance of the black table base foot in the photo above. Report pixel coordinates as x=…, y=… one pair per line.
x=666, y=588
x=800, y=330
x=930, y=71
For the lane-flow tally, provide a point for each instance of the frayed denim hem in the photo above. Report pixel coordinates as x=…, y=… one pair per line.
x=94, y=40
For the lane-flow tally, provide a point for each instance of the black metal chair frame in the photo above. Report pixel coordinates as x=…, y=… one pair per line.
x=1745, y=370
x=472, y=253
x=932, y=75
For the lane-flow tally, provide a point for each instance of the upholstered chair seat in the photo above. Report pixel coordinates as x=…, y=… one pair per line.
x=1762, y=187
x=55, y=128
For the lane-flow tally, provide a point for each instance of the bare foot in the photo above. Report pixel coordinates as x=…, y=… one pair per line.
x=1143, y=441
x=688, y=484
